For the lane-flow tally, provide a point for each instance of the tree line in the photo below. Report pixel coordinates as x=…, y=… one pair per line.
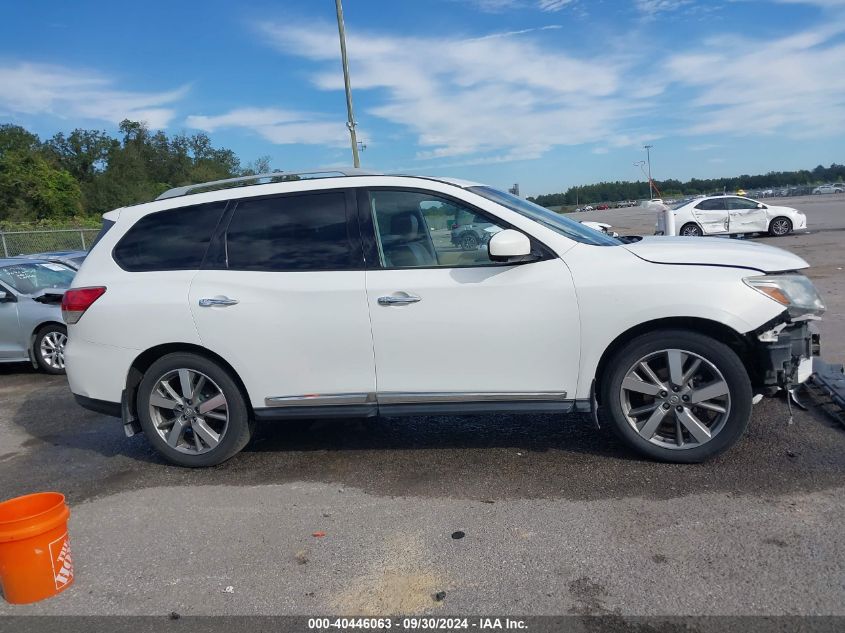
x=74, y=178
x=637, y=190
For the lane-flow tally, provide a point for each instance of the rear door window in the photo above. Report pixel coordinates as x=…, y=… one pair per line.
x=740, y=204
x=307, y=232
x=714, y=204
x=169, y=240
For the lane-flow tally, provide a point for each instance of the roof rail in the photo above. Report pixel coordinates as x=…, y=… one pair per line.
x=327, y=172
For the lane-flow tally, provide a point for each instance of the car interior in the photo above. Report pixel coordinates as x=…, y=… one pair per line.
x=415, y=231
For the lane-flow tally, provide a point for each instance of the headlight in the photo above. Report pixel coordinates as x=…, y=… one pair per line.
x=794, y=291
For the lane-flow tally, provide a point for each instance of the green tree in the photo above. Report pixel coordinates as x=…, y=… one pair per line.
x=32, y=189
x=15, y=138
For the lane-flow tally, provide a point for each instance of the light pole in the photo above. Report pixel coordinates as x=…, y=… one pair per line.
x=647, y=149
x=350, y=123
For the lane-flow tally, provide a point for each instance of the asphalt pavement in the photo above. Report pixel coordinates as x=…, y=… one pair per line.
x=558, y=517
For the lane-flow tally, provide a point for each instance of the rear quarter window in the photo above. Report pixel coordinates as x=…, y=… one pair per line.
x=169, y=240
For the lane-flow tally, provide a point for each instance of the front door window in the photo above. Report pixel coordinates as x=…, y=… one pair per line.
x=423, y=230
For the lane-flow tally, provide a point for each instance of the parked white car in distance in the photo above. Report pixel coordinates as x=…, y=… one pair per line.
x=730, y=215
x=829, y=189
x=326, y=297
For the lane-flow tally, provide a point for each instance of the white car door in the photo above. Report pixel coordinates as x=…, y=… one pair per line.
x=450, y=325
x=286, y=305
x=747, y=216
x=712, y=215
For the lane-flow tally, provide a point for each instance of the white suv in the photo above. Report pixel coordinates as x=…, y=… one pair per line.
x=200, y=313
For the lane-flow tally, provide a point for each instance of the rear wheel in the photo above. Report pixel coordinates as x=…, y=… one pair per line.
x=192, y=410
x=48, y=349
x=691, y=229
x=677, y=396
x=780, y=226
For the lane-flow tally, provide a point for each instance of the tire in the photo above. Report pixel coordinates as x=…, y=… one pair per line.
x=691, y=229
x=190, y=434
x=780, y=226
x=48, y=348
x=469, y=241
x=679, y=433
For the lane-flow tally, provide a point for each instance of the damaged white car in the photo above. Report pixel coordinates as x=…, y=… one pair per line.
x=733, y=215
x=337, y=295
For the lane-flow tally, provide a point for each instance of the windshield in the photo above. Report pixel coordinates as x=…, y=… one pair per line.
x=551, y=220
x=32, y=278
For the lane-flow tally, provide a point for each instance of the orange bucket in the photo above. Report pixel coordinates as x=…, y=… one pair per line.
x=35, y=561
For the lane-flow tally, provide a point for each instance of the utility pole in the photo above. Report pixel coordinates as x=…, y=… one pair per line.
x=647, y=149
x=350, y=123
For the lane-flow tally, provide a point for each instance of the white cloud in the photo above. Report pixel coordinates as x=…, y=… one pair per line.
x=653, y=7
x=277, y=126
x=38, y=89
x=501, y=98
x=552, y=5
x=498, y=6
x=742, y=86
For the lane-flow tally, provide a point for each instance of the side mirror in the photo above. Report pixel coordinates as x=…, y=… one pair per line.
x=509, y=246
x=6, y=297
x=760, y=205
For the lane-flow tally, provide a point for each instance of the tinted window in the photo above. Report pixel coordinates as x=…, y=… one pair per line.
x=294, y=233
x=169, y=240
x=713, y=204
x=742, y=203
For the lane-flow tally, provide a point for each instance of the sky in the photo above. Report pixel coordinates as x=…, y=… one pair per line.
x=544, y=93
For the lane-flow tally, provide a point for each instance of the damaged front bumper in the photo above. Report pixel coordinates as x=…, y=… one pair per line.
x=784, y=353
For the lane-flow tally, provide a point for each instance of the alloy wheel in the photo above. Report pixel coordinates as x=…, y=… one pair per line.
x=691, y=231
x=675, y=399
x=780, y=226
x=52, y=349
x=189, y=411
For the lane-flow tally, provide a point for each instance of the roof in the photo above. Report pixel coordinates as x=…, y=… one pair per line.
x=282, y=176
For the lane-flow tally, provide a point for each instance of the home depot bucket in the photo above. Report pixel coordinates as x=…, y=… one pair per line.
x=35, y=560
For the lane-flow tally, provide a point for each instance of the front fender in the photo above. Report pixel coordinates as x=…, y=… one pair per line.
x=618, y=291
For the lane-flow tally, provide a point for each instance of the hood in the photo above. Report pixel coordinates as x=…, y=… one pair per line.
x=715, y=252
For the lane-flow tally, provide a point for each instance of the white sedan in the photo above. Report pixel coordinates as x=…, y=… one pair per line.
x=728, y=215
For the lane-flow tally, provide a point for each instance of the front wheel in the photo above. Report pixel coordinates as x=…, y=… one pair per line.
x=192, y=410
x=48, y=349
x=691, y=229
x=677, y=396
x=780, y=226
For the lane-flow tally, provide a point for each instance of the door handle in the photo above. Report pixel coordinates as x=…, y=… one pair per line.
x=217, y=301
x=394, y=300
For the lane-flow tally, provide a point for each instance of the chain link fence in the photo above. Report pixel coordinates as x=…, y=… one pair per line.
x=27, y=242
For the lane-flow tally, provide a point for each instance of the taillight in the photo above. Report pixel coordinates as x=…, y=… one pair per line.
x=77, y=300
